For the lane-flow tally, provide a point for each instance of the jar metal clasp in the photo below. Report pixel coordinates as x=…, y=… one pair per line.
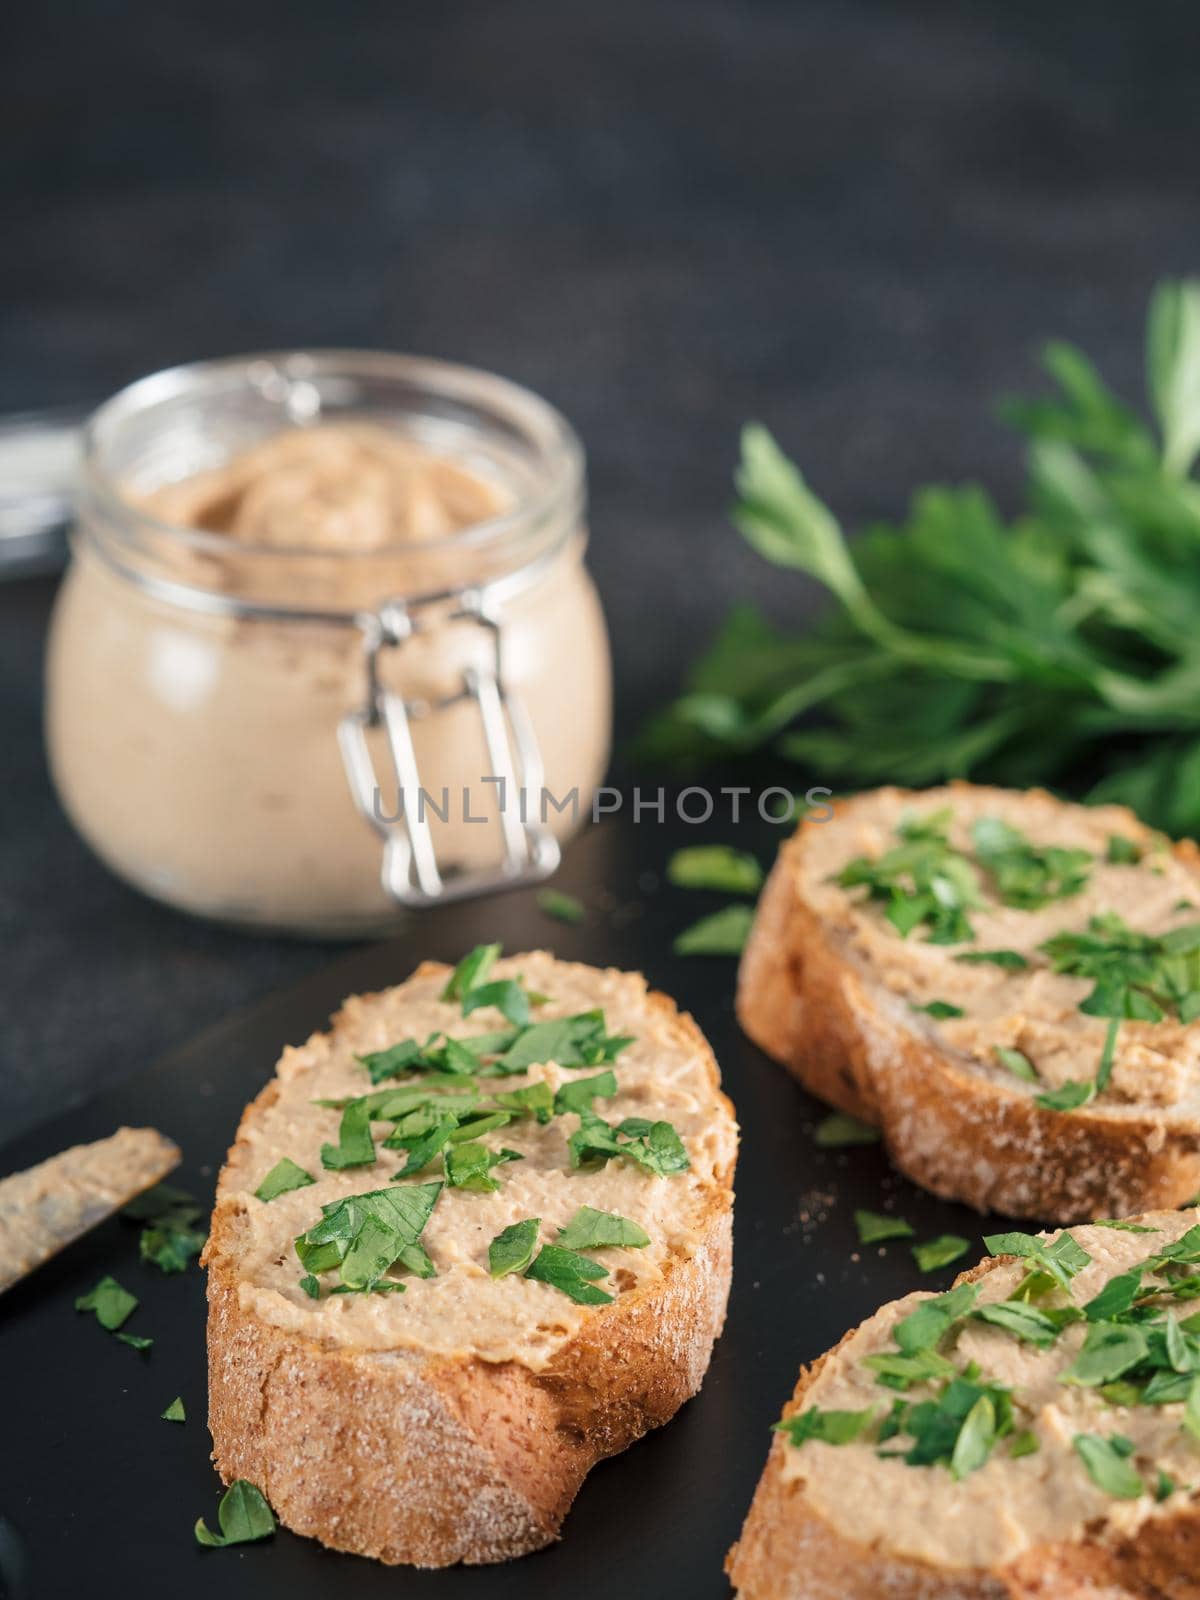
x=410, y=872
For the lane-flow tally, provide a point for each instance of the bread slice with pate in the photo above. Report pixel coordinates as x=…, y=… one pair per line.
x=1035, y=1431
x=468, y=1242
x=1007, y=985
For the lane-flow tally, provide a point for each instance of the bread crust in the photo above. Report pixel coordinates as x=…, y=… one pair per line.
x=431, y=1461
x=789, y=1552
x=949, y=1128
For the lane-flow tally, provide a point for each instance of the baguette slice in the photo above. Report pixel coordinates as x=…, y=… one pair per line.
x=454, y=1422
x=855, y=1521
x=830, y=987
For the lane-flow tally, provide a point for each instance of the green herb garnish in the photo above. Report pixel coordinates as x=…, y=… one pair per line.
x=112, y=1304
x=1028, y=876
x=513, y=1247
x=1122, y=852
x=839, y=1130
x=571, y=1273
x=169, y=1239
x=355, y=1147
x=400, y=1213
x=961, y=644
x=924, y=1328
x=598, y=1230
x=922, y=880
x=873, y=1227
x=469, y=1166
x=136, y=1341
x=715, y=866
x=283, y=1177
x=1017, y=1062
x=562, y=907
x=723, y=934
x=1010, y=960
x=174, y=1412
x=655, y=1146
x=828, y=1427
x=1108, y=1466
x=940, y=1252
x=243, y=1516
x=941, y=1010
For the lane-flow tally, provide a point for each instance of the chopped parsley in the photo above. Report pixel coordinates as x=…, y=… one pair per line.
x=597, y=1230
x=570, y=1273
x=513, y=1247
x=839, y=1130
x=1108, y=1465
x=655, y=1146
x=580, y=1095
x=1122, y=852
x=1017, y=1062
x=283, y=1177
x=562, y=907
x=940, y=1252
x=469, y=1166
x=112, y=1305
x=1137, y=975
x=243, y=1517
x=874, y=1227
x=136, y=1341
x=169, y=1239
x=174, y=1412
x=355, y=1147
x=375, y=1231
x=1028, y=876
x=1010, y=960
x=724, y=933
x=829, y=1427
x=924, y=1328
x=941, y=1010
x=921, y=880
x=715, y=866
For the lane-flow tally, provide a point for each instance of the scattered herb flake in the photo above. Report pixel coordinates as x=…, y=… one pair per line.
x=571, y=1273
x=873, y=1227
x=715, y=866
x=112, y=1304
x=243, y=1517
x=597, y=1230
x=513, y=1247
x=839, y=1130
x=940, y=1252
x=283, y=1177
x=722, y=934
x=562, y=907
x=174, y=1412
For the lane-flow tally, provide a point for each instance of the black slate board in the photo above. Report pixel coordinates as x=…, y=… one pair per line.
x=98, y=1495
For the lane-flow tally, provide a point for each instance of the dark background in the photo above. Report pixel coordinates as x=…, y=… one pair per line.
x=853, y=220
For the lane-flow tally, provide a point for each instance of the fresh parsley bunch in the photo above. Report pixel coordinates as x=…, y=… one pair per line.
x=1045, y=649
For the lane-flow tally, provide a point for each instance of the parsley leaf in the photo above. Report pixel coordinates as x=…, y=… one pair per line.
x=715, y=866
x=873, y=1226
x=941, y=1010
x=829, y=1427
x=243, y=1516
x=1017, y=1062
x=1010, y=960
x=924, y=1328
x=722, y=934
x=471, y=971
x=840, y=1130
x=565, y=1270
x=923, y=879
x=174, y=1412
x=283, y=1177
x=940, y=1252
x=595, y=1230
x=112, y=1304
x=580, y=1095
x=562, y=907
x=1107, y=1466
x=1028, y=876
x=468, y=1166
x=355, y=1147
x=513, y=1247
x=169, y=1240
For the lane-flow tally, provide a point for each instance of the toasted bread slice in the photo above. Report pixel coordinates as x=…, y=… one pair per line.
x=1057, y=1486
x=972, y=1028
x=438, y=1413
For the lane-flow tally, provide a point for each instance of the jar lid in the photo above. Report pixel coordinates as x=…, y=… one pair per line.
x=39, y=460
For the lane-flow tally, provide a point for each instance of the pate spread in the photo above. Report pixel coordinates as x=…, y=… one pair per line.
x=198, y=752
x=1008, y=1504
x=1032, y=1009
x=663, y=1074
x=340, y=486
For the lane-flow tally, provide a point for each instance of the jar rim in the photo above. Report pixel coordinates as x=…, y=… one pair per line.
x=559, y=454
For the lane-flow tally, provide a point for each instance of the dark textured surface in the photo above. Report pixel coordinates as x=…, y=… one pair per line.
x=651, y=1523
x=851, y=219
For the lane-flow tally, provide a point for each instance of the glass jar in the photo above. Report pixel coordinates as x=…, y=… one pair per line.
x=308, y=739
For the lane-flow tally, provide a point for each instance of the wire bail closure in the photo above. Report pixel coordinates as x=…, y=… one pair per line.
x=410, y=872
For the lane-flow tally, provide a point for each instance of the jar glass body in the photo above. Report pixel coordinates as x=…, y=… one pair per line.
x=195, y=687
